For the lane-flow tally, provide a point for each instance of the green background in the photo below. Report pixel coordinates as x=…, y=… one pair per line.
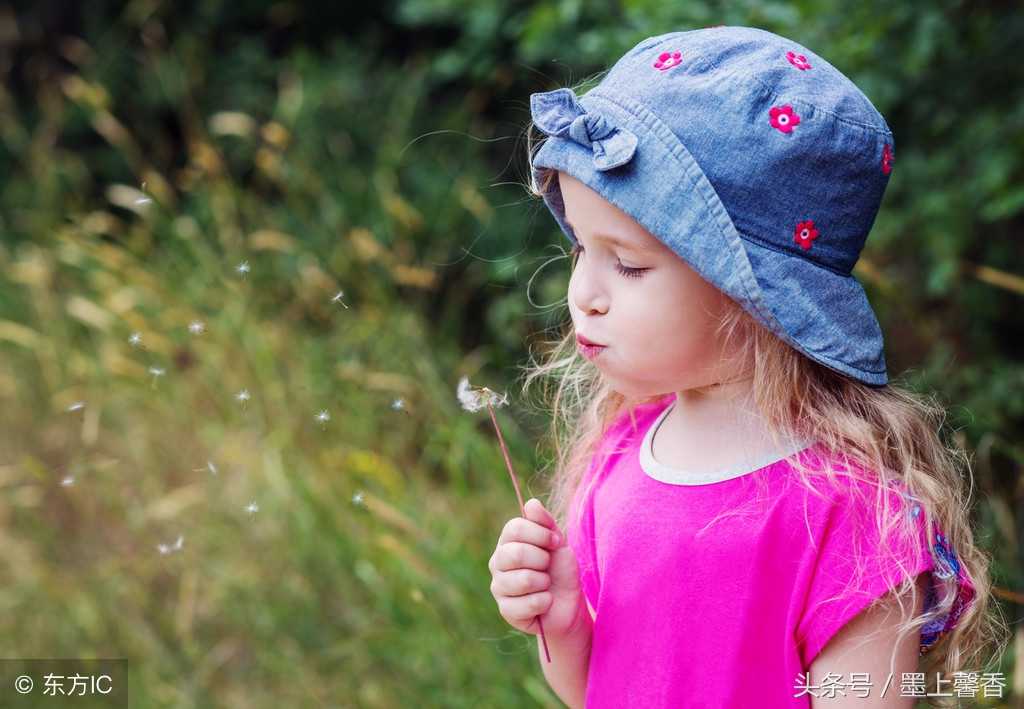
x=377, y=149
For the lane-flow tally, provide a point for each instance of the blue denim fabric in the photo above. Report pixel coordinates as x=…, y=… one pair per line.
x=695, y=153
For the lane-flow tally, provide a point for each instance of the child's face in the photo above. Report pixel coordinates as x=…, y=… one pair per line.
x=641, y=314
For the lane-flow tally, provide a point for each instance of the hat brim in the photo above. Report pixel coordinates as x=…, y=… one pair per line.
x=682, y=209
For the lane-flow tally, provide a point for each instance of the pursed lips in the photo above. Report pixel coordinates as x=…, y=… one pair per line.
x=588, y=348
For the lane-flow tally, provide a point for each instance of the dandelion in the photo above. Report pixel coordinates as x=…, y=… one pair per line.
x=135, y=339
x=68, y=481
x=337, y=298
x=252, y=508
x=358, y=498
x=242, y=397
x=196, y=327
x=78, y=405
x=323, y=417
x=473, y=399
x=243, y=268
x=399, y=405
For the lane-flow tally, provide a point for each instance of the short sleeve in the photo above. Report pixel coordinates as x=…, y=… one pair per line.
x=855, y=562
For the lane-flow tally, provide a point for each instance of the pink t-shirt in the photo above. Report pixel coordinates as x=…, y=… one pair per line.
x=718, y=589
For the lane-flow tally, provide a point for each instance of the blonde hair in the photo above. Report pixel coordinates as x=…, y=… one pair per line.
x=887, y=429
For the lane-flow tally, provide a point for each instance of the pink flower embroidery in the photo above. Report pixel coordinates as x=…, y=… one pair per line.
x=798, y=60
x=887, y=158
x=784, y=119
x=805, y=234
x=667, y=60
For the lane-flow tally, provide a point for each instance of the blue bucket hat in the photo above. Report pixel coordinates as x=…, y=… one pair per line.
x=753, y=159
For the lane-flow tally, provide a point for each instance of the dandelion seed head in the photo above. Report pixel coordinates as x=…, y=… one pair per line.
x=211, y=467
x=398, y=404
x=76, y=406
x=135, y=339
x=164, y=548
x=323, y=417
x=69, y=480
x=338, y=296
x=243, y=268
x=142, y=201
x=475, y=398
x=196, y=327
x=358, y=498
x=157, y=371
x=252, y=508
x=242, y=396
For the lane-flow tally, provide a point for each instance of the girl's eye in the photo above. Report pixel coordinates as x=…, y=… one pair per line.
x=629, y=271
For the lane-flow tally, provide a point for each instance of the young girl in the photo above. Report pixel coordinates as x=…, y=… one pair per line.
x=752, y=516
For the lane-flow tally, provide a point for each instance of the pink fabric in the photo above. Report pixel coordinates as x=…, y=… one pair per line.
x=720, y=595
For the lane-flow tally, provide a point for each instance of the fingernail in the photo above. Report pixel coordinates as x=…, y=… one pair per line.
x=556, y=540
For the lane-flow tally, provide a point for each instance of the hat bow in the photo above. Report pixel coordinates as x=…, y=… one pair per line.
x=559, y=114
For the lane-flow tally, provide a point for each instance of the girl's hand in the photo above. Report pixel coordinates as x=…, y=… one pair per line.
x=534, y=573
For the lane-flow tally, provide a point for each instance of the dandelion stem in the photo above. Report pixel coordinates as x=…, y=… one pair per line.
x=522, y=510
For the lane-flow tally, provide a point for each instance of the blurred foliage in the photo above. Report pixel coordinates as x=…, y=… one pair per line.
x=377, y=149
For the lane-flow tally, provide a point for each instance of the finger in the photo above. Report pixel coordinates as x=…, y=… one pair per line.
x=537, y=513
x=522, y=611
x=517, y=583
x=530, y=532
x=517, y=555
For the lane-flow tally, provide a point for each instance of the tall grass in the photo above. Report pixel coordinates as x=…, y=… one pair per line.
x=238, y=552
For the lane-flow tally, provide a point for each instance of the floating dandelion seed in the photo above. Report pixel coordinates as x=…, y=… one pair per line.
x=242, y=397
x=76, y=406
x=242, y=268
x=337, y=298
x=209, y=467
x=399, y=405
x=358, y=498
x=252, y=508
x=144, y=199
x=168, y=548
x=196, y=327
x=473, y=399
x=68, y=481
x=157, y=371
x=135, y=339
x=323, y=417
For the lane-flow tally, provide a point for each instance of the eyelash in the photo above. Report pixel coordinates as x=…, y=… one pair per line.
x=622, y=270
x=629, y=272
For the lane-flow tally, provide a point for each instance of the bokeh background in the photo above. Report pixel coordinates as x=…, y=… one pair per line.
x=321, y=205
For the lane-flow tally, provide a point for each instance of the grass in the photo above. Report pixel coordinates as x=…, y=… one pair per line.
x=360, y=581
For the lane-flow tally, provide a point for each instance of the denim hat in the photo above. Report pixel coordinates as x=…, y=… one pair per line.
x=753, y=159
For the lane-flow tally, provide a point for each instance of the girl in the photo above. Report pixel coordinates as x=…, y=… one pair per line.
x=753, y=517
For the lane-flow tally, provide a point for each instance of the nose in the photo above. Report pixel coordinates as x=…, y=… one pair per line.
x=586, y=292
